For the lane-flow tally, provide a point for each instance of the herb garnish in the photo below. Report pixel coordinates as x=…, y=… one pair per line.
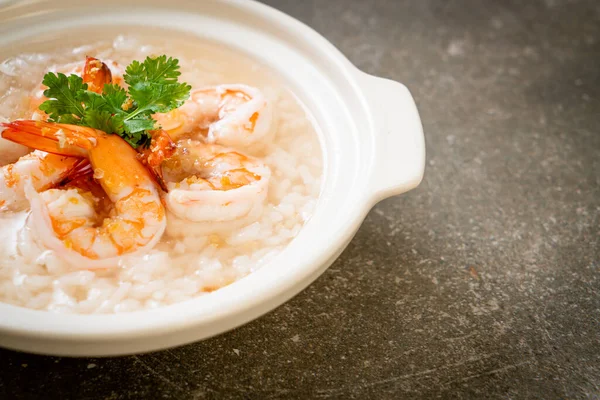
x=153, y=88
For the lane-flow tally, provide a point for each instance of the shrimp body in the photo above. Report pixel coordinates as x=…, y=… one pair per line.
x=211, y=183
x=43, y=170
x=69, y=221
x=230, y=115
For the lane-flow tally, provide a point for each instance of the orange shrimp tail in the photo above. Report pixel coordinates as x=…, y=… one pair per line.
x=81, y=170
x=157, y=174
x=96, y=74
x=161, y=148
x=62, y=139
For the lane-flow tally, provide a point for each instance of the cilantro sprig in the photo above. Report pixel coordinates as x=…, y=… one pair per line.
x=153, y=87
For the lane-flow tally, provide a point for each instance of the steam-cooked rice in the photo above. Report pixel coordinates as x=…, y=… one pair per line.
x=178, y=268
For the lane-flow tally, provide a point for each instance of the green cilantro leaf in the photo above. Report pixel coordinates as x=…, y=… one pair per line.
x=65, y=96
x=115, y=96
x=139, y=124
x=153, y=70
x=153, y=98
x=103, y=120
x=153, y=88
x=92, y=101
x=153, y=85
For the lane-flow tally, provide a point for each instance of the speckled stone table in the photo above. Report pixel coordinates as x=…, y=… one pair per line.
x=482, y=283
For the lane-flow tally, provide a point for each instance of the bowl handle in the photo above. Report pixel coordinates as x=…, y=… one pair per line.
x=399, y=142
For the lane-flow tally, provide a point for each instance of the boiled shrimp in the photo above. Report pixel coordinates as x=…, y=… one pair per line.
x=67, y=221
x=211, y=183
x=230, y=115
x=42, y=169
x=161, y=148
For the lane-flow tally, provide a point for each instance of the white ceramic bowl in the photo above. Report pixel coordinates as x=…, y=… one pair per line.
x=372, y=143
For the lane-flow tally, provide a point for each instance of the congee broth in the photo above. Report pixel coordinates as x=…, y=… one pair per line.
x=138, y=191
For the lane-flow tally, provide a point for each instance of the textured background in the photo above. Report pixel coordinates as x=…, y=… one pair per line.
x=483, y=282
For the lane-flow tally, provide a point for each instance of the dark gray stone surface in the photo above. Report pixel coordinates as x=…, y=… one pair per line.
x=482, y=283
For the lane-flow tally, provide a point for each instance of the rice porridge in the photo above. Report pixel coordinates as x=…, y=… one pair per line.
x=193, y=256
